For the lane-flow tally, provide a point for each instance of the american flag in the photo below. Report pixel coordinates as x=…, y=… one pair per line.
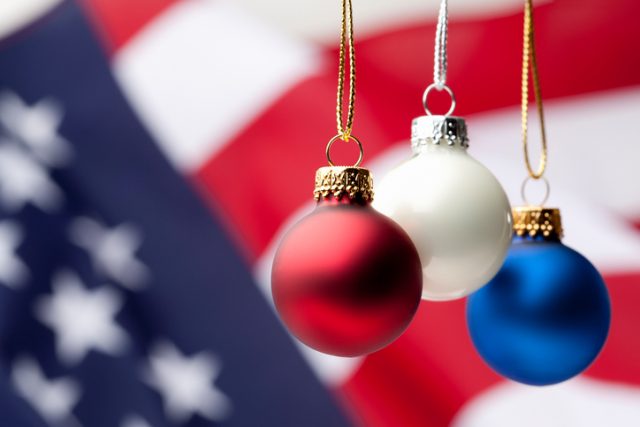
x=153, y=152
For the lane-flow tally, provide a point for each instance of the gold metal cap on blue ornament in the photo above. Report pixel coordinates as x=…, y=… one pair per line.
x=537, y=222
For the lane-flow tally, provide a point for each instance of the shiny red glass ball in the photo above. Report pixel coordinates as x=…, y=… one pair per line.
x=346, y=280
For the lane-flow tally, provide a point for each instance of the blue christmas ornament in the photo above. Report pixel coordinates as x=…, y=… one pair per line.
x=545, y=316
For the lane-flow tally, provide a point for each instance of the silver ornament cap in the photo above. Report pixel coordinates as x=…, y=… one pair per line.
x=445, y=131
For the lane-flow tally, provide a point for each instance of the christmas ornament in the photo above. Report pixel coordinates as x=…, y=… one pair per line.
x=545, y=317
x=454, y=209
x=346, y=280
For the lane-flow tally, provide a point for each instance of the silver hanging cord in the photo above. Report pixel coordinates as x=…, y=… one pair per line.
x=440, y=61
x=440, y=54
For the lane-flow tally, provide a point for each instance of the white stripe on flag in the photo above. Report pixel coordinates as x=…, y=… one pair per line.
x=593, y=169
x=202, y=70
x=15, y=15
x=579, y=402
x=317, y=19
x=593, y=142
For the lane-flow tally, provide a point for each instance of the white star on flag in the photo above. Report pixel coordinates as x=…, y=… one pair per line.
x=23, y=180
x=82, y=319
x=36, y=127
x=52, y=399
x=134, y=421
x=186, y=384
x=13, y=271
x=112, y=250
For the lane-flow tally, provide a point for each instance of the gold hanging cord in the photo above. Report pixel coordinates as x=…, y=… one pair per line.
x=346, y=47
x=529, y=60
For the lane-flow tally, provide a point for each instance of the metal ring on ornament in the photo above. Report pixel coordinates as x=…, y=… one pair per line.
x=523, y=190
x=348, y=138
x=425, y=98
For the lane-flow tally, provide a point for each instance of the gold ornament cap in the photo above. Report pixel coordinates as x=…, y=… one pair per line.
x=537, y=222
x=339, y=181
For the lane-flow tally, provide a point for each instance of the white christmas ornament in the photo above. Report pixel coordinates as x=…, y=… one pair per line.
x=452, y=207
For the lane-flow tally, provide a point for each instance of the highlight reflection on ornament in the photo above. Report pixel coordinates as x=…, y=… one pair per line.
x=346, y=280
x=452, y=207
x=546, y=315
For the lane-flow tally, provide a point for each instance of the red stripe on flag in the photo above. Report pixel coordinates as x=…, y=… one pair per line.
x=580, y=51
x=620, y=359
x=582, y=47
x=119, y=20
x=423, y=378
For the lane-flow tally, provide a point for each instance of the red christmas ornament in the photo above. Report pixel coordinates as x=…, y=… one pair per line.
x=346, y=280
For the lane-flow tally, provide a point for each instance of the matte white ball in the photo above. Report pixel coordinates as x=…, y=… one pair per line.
x=453, y=208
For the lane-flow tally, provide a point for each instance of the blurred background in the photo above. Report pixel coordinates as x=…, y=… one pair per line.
x=152, y=152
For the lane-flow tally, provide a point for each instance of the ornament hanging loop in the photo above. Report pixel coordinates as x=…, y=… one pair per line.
x=440, y=61
x=425, y=98
x=349, y=138
x=346, y=50
x=523, y=191
x=529, y=60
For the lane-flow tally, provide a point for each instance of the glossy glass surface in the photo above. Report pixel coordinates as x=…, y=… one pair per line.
x=545, y=316
x=346, y=280
x=456, y=213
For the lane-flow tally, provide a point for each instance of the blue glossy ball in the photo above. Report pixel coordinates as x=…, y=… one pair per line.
x=544, y=318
